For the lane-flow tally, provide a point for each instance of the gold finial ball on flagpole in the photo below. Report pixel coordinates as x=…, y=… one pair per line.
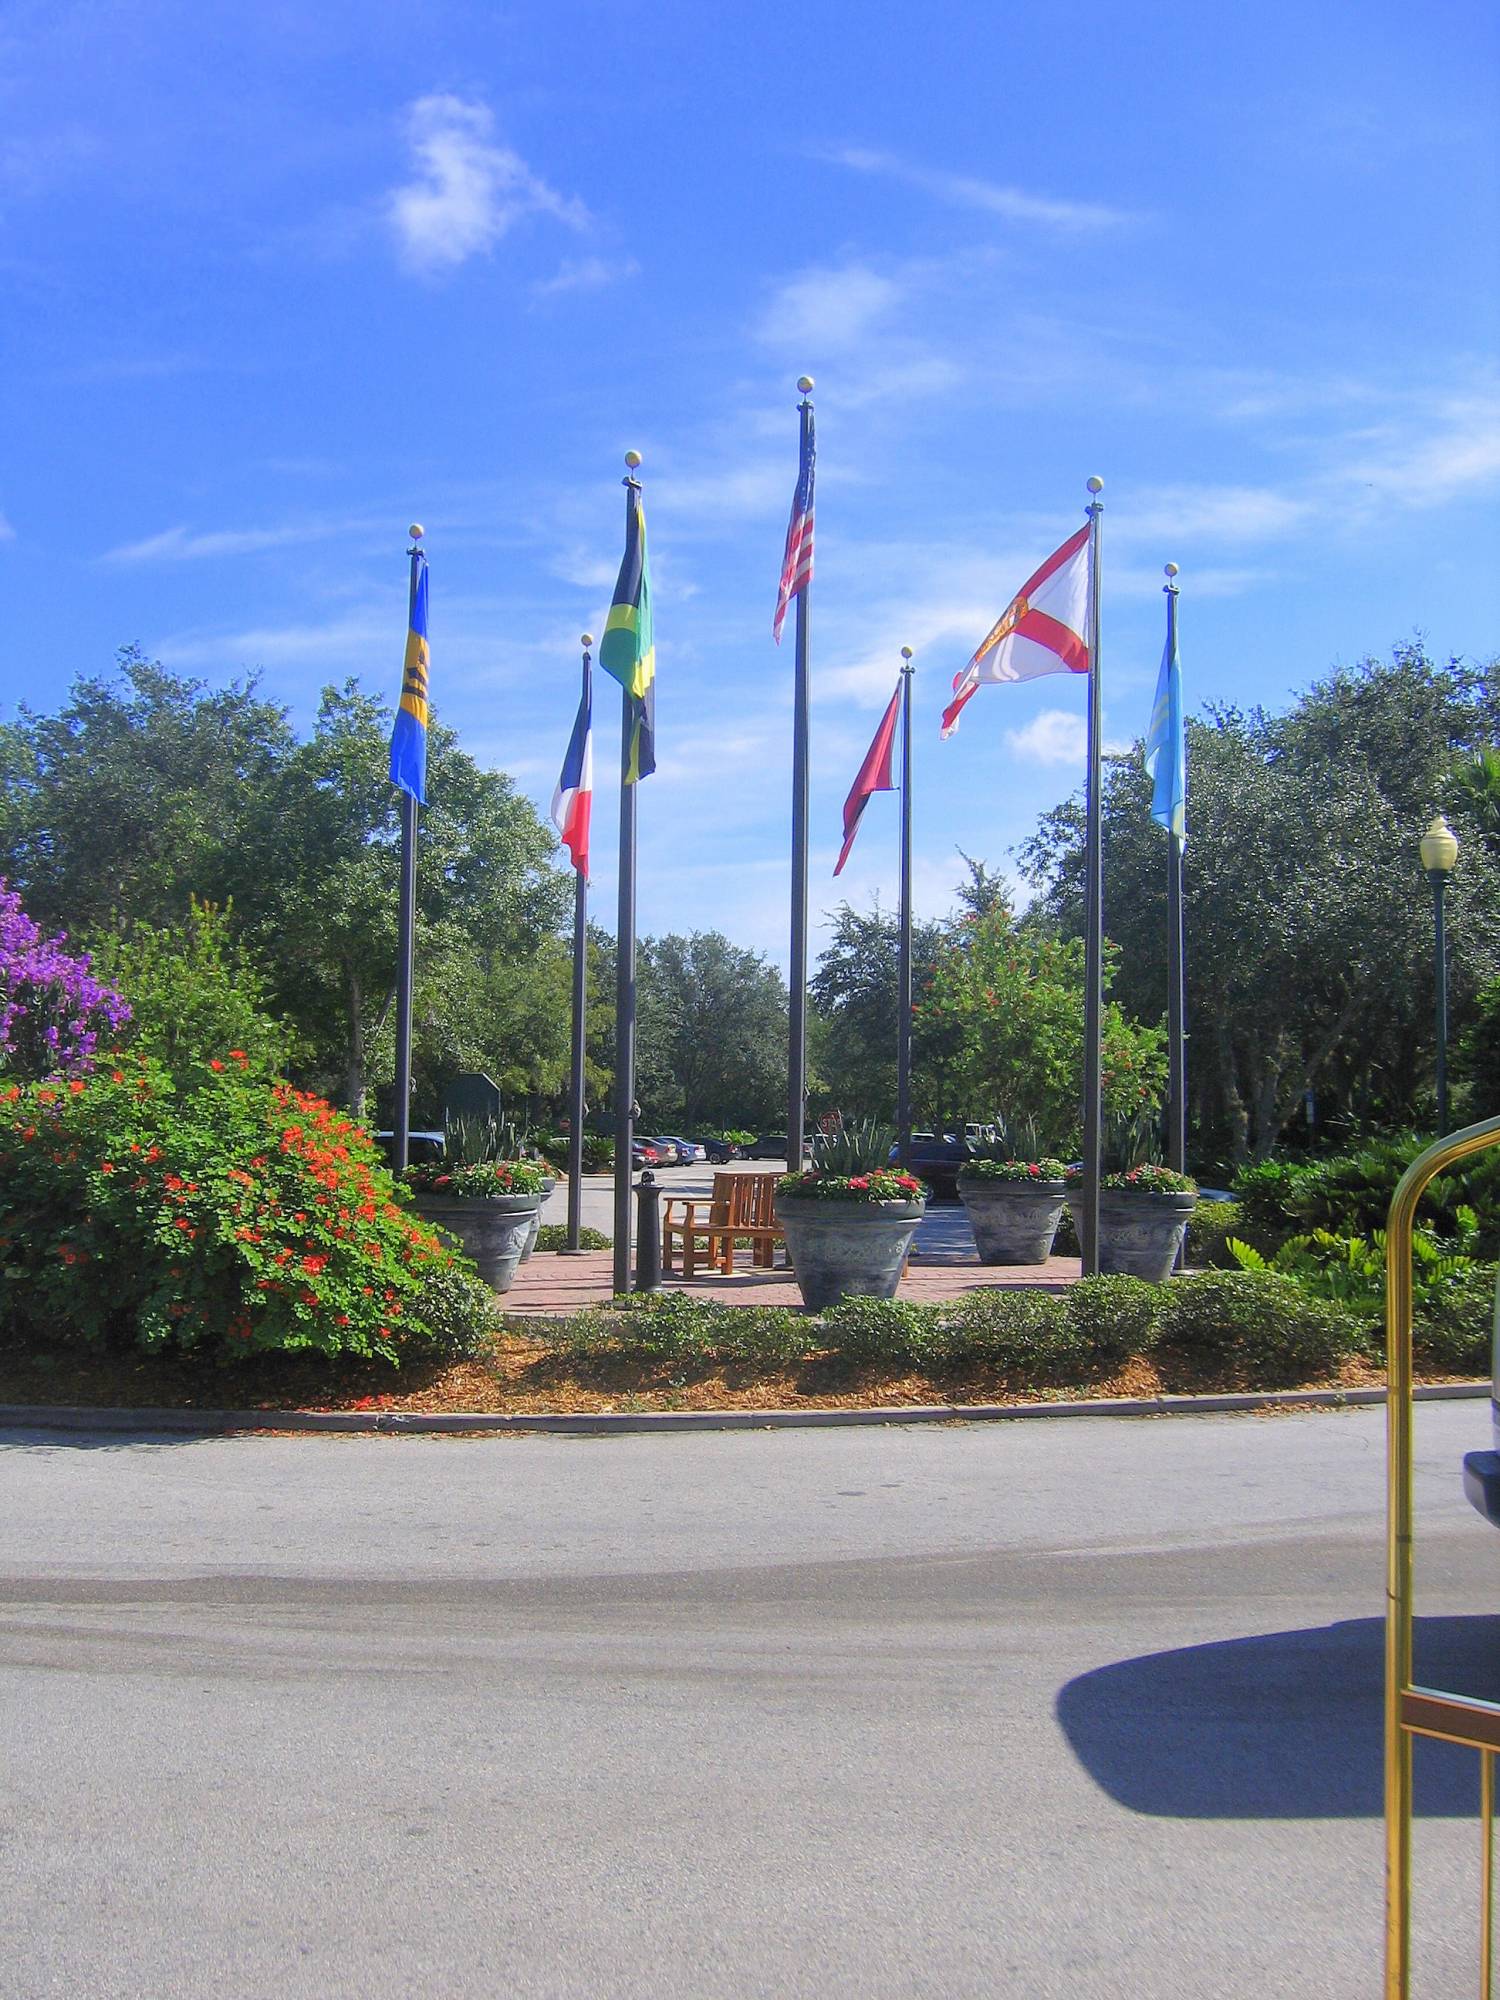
x=416, y=531
x=805, y=384
x=587, y=640
x=906, y=652
x=1169, y=569
x=1095, y=484
x=632, y=459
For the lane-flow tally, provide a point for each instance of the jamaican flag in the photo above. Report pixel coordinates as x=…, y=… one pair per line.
x=628, y=650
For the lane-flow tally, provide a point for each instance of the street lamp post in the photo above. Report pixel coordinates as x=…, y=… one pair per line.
x=1439, y=851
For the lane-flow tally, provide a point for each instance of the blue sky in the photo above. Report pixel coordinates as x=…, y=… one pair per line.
x=281, y=279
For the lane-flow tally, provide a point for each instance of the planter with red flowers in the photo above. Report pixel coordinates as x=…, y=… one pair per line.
x=1014, y=1207
x=487, y=1207
x=1143, y=1216
x=848, y=1235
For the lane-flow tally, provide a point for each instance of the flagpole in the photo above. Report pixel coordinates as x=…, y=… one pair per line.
x=406, y=920
x=576, y=1107
x=801, y=728
x=1176, y=964
x=625, y=955
x=1093, y=916
x=903, y=997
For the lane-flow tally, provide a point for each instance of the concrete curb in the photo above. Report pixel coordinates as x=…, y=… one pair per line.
x=225, y=1423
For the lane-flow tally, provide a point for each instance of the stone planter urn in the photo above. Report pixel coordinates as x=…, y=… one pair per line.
x=491, y=1230
x=847, y=1249
x=1014, y=1222
x=536, y=1221
x=1139, y=1234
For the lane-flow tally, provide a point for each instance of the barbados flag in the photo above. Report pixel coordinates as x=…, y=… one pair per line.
x=409, y=737
x=573, y=800
x=628, y=649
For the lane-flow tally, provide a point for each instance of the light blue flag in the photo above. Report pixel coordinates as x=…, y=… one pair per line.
x=1166, y=751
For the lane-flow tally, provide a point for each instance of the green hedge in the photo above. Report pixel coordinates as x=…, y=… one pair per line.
x=1248, y=1328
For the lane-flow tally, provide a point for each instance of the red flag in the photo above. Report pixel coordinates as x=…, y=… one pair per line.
x=874, y=775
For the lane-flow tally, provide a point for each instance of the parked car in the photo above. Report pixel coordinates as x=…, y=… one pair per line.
x=645, y=1153
x=422, y=1148
x=936, y=1161
x=720, y=1151
x=689, y=1152
x=674, y=1152
x=772, y=1146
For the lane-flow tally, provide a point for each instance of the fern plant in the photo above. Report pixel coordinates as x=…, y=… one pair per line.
x=1351, y=1269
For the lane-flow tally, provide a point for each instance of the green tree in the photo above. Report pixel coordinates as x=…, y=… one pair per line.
x=1010, y=998
x=133, y=798
x=149, y=789
x=317, y=891
x=853, y=1018
x=1309, y=931
x=712, y=1031
x=193, y=997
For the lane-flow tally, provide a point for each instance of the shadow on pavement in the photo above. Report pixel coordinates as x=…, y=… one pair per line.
x=1285, y=1725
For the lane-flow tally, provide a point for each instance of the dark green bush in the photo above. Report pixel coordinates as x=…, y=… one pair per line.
x=1208, y=1226
x=1025, y=1333
x=458, y=1315
x=670, y=1326
x=890, y=1330
x=768, y=1336
x=1453, y=1329
x=1115, y=1316
x=1263, y=1326
x=554, y=1236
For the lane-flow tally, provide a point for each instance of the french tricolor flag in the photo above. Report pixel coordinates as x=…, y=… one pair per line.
x=573, y=800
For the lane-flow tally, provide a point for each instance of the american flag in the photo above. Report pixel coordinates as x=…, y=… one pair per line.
x=797, y=563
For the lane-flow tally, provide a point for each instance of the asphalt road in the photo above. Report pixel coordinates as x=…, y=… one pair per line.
x=1088, y=1708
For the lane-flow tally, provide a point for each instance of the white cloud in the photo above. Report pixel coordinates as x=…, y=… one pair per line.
x=469, y=191
x=587, y=274
x=1054, y=737
x=1058, y=737
x=967, y=191
x=1215, y=513
x=182, y=545
x=1456, y=452
x=351, y=640
x=829, y=308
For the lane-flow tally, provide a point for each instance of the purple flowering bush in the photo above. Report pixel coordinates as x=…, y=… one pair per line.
x=53, y=1011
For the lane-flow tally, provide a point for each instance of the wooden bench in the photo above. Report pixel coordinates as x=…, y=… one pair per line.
x=741, y=1208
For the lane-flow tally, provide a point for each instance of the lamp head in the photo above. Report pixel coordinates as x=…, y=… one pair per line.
x=1438, y=848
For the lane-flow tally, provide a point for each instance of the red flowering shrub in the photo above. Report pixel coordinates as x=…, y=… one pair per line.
x=235, y=1215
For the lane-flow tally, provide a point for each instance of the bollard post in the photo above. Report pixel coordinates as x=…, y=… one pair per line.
x=647, y=1234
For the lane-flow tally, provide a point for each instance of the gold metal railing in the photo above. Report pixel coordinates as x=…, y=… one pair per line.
x=1418, y=1711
